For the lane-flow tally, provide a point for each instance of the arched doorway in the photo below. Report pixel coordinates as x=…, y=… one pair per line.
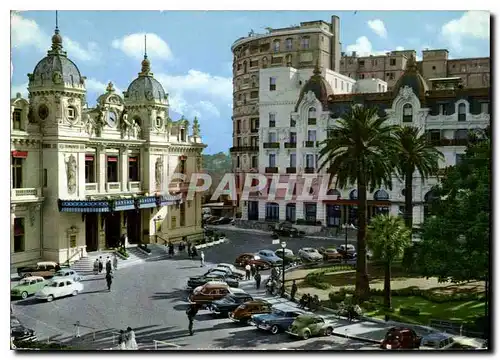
x=333, y=212
x=380, y=195
x=429, y=197
x=290, y=212
x=272, y=212
x=352, y=210
x=253, y=210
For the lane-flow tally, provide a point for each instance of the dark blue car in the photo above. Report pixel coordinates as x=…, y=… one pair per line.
x=277, y=321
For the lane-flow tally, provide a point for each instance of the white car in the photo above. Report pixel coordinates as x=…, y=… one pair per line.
x=67, y=273
x=59, y=288
x=231, y=267
x=310, y=254
x=288, y=252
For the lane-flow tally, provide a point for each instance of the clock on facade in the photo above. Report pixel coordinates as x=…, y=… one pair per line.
x=111, y=118
x=43, y=112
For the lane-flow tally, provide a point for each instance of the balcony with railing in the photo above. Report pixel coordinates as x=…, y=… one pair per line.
x=309, y=170
x=271, y=145
x=25, y=194
x=254, y=130
x=291, y=170
x=113, y=187
x=91, y=188
x=290, y=145
x=244, y=149
x=450, y=142
x=310, y=144
x=271, y=170
x=134, y=186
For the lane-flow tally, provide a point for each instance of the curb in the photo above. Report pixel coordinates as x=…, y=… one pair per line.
x=360, y=338
x=220, y=241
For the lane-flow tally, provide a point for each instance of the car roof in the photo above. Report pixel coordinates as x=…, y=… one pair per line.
x=215, y=284
x=305, y=317
x=225, y=265
x=59, y=278
x=33, y=278
x=287, y=308
x=47, y=263
x=257, y=301
x=266, y=250
x=308, y=248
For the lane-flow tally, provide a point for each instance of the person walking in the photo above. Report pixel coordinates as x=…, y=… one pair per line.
x=131, y=343
x=257, y=278
x=191, y=313
x=202, y=258
x=248, y=269
x=253, y=270
x=115, y=262
x=96, y=266
x=109, y=280
x=122, y=340
x=100, y=264
x=293, y=291
x=108, y=265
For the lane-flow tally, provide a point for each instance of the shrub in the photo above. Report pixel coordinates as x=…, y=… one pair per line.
x=238, y=215
x=39, y=345
x=409, y=311
x=123, y=252
x=317, y=280
x=145, y=248
x=369, y=305
x=336, y=297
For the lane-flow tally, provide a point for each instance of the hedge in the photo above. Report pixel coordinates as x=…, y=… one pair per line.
x=123, y=252
x=409, y=311
x=317, y=279
x=39, y=345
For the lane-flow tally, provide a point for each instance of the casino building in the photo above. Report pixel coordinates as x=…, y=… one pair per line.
x=82, y=177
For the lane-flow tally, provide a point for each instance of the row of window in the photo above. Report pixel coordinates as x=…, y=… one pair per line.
x=254, y=162
x=311, y=115
x=461, y=116
x=311, y=136
x=254, y=125
x=374, y=62
x=311, y=160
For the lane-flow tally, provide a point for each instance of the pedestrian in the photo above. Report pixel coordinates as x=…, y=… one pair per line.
x=202, y=259
x=188, y=248
x=115, y=261
x=253, y=270
x=131, y=343
x=96, y=266
x=108, y=265
x=194, y=252
x=274, y=273
x=293, y=291
x=122, y=340
x=100, y=264
x=109, y=280
x=248, y=269
x=257, y=278
x=191, y=313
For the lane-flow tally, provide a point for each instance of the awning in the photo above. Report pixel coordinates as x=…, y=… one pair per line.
x=112, y=159
x=89, y=157
x=19, y=154
x=132, y=159
x=83, y=206
x=93, y=206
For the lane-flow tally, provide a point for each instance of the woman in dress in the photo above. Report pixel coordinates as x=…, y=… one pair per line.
x=131, y=343
x=121, y=340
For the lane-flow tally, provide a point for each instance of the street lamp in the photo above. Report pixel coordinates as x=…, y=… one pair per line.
x=155, y=220
x=347, y=226
x=283, y=247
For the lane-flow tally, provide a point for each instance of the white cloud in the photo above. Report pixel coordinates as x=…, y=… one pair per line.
x=378, y=27
x=471, y=25
x=27, y=33
x=21, y=88
x=133, y=45
x=399, y=48
x=94, y=85
x=208, y=107
x=363, y=47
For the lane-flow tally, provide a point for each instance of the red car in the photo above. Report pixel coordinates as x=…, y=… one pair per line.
x=399, y=338
x=252, y=259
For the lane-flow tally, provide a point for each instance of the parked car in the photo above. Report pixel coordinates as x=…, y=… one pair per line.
x=305, y=326
x=45, y=269
x=287, y=232
x=67, y=273
x=349, y=251
x=59, y=288
x=222, y=276
x=211, y=291
x=28, y=286
x=252, y=259
x=330, y=254
x=228, y=303
x=20, y=332
x=278, y=320
x=400, y=338
x=437, y=341
x=228, y=272
x=279, y=252
x=243, y=313
x=231, y=267
x=310, y=254
x=270, y=257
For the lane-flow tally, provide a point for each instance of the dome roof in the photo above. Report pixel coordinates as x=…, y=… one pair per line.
x=319, y=86
x=145, y=87
x=56, y=67
x=413, y=79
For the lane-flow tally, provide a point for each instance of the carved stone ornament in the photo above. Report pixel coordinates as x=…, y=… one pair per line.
x=310, y=97
x=33, y=210
x=12, y=208
x=71, y=100
x=158, y=172
x=406, y=92
x=57, y=77
x=71, y=174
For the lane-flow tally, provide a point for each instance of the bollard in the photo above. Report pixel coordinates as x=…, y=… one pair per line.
x=77, y=325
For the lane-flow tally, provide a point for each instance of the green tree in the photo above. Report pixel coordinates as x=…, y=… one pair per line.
x=360, y=150
x=388, y=237
x=415, y=153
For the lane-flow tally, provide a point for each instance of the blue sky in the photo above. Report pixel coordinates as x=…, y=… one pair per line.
x=190, y=51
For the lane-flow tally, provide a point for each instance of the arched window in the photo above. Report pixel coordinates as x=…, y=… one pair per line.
x=407, y=113
x=461, y=112
x=137, y=120
x=333, y=192
x=245, y=67
x=353, y=195
x=272, y=212
x=381, y=195
x=158, y=122
x=289, y=60
x=311, y=113
x=276, y=45
x=239, y=97
x=17, y=122
x=429, y=197
x=289, y=43
x=290, y=212
x=264, y=62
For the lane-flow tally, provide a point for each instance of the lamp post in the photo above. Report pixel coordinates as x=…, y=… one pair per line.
x=155, y=220
x=283, y=247
x=347, y=226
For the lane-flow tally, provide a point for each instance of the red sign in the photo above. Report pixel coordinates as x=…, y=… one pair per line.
x=132, y=159
x=89, y=157
x=20, y=154
x=112, y=159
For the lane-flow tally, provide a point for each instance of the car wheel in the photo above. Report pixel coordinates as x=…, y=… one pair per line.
x=328, y=331
x=275, y=329
x=306, y=335
x=74, y=293
x=24, y=295
x=50, y=298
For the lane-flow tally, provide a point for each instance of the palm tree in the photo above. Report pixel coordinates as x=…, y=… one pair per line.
x=360, y=150
x=388, y=237
x=415, y=153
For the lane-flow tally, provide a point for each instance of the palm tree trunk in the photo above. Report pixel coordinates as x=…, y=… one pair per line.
x=387, y=285
x=362, y=282
x=408, y=215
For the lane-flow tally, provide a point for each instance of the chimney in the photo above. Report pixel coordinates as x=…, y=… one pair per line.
x=354, y=53
x=335, y=44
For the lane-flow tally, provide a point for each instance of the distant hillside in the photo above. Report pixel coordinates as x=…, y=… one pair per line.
x=217, y=165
